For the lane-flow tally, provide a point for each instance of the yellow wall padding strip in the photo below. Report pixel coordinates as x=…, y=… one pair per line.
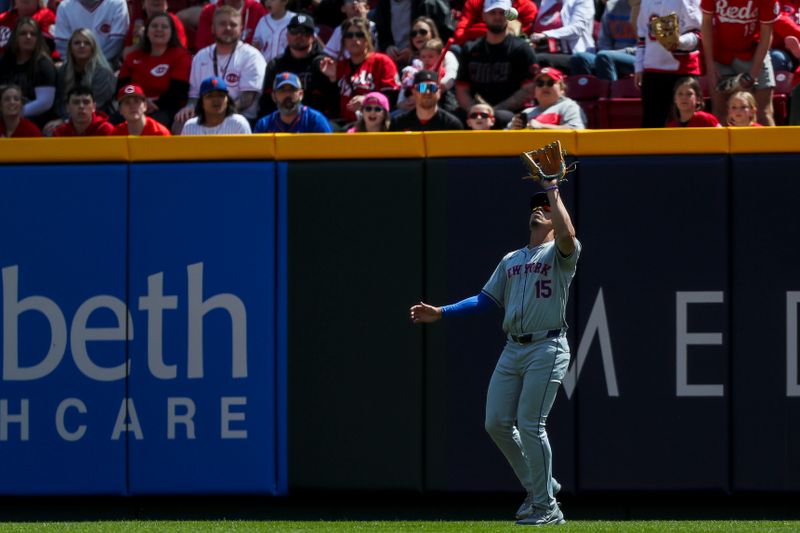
x=64, y=150
x=203, y=148
x=493, y=143
x=349, y=146
x=653, y=141
x=765, y=140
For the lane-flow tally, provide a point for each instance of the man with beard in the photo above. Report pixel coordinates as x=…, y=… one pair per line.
x=302, y=56
x=240, y=65
x=292, y=116
x=426, y=115
x=499, y=67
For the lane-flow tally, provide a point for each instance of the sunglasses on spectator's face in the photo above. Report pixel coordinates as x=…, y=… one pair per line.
x=427, y=87
x=355, y=35
x=479, y=115
x=421, y=32
x=545, y=208
x=542, y=83
x=298, y=31
x=372, y=109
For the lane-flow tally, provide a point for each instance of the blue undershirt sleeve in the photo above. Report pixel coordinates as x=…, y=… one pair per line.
x=475, y=304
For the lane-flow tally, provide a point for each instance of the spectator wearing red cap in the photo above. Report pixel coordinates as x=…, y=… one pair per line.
x=737, y=35
x=375, y=115
x=140, y=20
x=13, y=124
x=34, y=9
x=366, y=70
x=426, y=115
x=250, y=12
x=554, y=111
x=215, y=112
x=133, y=107
x=83, y=120
x=161, y=67
x=291, y=116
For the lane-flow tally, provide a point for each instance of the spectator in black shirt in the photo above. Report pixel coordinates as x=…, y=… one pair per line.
x=426, y=116
x=499, y=67
x=302, y=56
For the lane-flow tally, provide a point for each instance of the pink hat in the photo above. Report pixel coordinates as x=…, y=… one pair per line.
x=376, y=98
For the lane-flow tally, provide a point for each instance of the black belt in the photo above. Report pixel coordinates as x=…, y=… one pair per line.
x=530, y=337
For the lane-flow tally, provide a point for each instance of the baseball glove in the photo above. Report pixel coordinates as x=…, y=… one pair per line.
x=547, y=163
x=739, y=82
x=665, y=29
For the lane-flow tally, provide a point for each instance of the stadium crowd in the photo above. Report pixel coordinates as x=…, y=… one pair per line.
x=195, y=67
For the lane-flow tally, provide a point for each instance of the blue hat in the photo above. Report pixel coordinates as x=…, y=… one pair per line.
x=212, y=84
x=286, y=78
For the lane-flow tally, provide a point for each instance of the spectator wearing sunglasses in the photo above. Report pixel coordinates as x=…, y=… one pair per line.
x=292, y=116
x=351, y=9
x=555, y=111
x=480, y=117
x=427, y=115
x=302, y=56
x=366, y=70
x=375, y=115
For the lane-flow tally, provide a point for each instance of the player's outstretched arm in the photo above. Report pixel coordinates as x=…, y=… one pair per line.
x=562, y=222
x=425, y=313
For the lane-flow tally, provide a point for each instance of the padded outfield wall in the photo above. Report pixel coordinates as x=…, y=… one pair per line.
x=230, y=315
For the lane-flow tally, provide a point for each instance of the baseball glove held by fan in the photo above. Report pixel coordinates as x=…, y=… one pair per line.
x=546, y=164
x=665, y=30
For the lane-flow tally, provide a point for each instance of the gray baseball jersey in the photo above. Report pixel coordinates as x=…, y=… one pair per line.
x=532, y=286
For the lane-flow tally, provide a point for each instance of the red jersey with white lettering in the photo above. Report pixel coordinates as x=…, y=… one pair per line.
x=154, y=73
x=736, y=25
x=151, y=128
x=376, y=73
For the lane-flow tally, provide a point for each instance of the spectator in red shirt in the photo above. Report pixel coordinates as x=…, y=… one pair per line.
x=161, y=67
x=742, y=109
x=737, y=36
x=688, y=99
x=471, y=25
x=251, y=11
x=13, y=124
x=84, y=120
x=27, y=8
x=133, y=107
x=136, y=31
x=366, y=70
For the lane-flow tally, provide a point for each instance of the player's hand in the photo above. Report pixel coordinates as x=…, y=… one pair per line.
x=425, y=313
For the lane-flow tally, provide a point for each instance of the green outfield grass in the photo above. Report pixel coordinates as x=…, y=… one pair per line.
x=588, y=526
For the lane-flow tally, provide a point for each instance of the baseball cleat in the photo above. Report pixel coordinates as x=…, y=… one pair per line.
x=526, y=509
x=553, y=516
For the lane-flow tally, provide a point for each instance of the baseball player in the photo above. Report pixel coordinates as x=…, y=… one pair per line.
x=531, y=284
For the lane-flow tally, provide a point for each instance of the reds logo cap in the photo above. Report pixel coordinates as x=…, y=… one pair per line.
x=213, y=84
x=130, y=90
x=538, y=199
x=286, y=78
x=552, y=73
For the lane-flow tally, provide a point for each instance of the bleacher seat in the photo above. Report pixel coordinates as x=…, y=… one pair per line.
x=780, y=96
x=623, y=107
x=590, y=92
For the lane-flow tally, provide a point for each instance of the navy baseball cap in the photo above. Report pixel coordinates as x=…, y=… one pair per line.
x=212, y=84
x=425, y=75
x=540, y=199
x=286, y=78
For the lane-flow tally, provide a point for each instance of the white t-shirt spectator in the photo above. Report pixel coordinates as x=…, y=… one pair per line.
x=232, y=125
x=270, y=35
x=243, y=71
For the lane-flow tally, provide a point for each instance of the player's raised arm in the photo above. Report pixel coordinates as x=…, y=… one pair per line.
x=562, y=222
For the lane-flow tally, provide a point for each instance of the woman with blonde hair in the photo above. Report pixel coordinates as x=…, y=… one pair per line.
x=742, y=109
x=85, y=65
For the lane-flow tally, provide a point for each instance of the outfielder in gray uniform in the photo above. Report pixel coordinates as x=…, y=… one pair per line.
x=531, y=284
